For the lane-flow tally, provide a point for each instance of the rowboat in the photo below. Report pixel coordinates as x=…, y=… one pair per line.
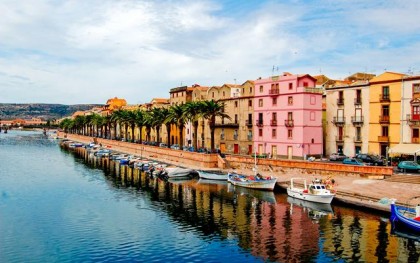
x=254, y=182
x=314, y=192
x=178, y=172
x=212, y=175
x=401, y=217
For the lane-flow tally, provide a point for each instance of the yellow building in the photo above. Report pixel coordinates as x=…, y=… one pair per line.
x=384, y=112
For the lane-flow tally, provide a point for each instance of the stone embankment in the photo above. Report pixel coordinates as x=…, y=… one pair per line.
x=365, y=186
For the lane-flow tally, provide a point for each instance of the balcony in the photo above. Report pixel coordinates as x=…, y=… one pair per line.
x=259, y=123
x=384, y=98
x=274, y=92
x=358, y=101
x=273, y=122
x=358, y=139
x=249, y=137
x=340, y=101
x=339, y=121
x=248, y=123
x=413, y=119
x=384, y=119
x=339, y=139
x=415, y=140
x=357, y=120
x=223, y=124
x=289, y=123
x=383, y=139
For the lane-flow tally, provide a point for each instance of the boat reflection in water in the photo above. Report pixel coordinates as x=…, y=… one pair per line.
x=265, y=226
x=314, y=210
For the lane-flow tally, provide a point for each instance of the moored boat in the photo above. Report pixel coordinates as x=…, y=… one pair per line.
x=406, y=218
x=212, y=175
x=314, y=192
x=254, y=182
x=178, y=172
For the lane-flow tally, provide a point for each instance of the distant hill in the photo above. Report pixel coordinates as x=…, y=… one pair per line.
x=39, y=110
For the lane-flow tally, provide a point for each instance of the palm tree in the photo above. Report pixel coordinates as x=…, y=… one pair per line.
x=168, y=123
x=116, y=119
x=139, y=119
x=79, y=123
x=131, y=121
x=176, y=115
x=148, y=123
x=193, y=111
x=211, y=110
x=157, y=121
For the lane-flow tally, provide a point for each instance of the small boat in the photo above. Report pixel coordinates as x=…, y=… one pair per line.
x=315, y=192
x=266, y=196
x=254, y=182
x=406, y=218
x=315, y=210
x=212, y=175
x=178, y=172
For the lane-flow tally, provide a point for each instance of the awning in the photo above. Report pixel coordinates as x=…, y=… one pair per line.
x=405, y=148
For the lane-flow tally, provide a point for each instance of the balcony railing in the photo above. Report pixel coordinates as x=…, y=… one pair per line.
x=259, y=123
x=273, y=122
x=415, y=140
x=383, y=138
x=340, y=101
x=289, y=123
x=357, y=120
x=339, y=121
x=339, y=138
x=358, y=101
x=384, y=98
x=413, y=119
x=274, y=91
x=358, y=139
x=248, y=123
x=223, y=124
x=384, y=119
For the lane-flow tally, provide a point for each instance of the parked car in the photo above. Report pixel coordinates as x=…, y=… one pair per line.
x=337, y=157
x=408, y=166
x=353, y=161
x=175, y=146
x=162, y=144
x=370, y=159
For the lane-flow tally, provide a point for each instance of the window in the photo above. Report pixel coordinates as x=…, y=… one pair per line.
x=385, y=131
x=249, y=103
x=290, y=86
x=290, y=100
x=274, y=116
x=313, y=100
x=260, y=132
x=277, y=86
x=261, y=89
x=260, y=102
x=236, y=118
x=290, y=115
x=385, y=110
x=312, y=116
x=385, y=91
x=236, y=104
x=274, y=133
x=290, y=134
x=274, y=101
x=212, y=94
x=305, y=84
x=223, y=93
x=415, y=133
x=250, y=89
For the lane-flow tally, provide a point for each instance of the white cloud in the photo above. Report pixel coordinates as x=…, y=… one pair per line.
x=88, y=51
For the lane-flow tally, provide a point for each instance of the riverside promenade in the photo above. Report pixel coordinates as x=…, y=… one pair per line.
x=372, y=192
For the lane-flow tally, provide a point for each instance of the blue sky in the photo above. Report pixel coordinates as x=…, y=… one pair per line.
x=73, y=52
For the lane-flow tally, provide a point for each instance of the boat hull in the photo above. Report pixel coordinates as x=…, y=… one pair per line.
x=402, y=221
x=253, y=184
x=209, y=175
x=317, y=198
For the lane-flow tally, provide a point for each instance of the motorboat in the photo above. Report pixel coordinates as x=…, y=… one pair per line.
x=212, y=175
x=178, y=172
x=314, y=192
x=250, y=181
x=314, y=210
x=406, y=218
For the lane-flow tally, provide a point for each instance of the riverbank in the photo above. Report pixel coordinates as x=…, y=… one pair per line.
x=366, y=191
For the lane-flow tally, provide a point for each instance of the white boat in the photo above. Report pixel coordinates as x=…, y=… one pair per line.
x=178, y=172
x=212, y=175
x=314, y=192
x=254, y=182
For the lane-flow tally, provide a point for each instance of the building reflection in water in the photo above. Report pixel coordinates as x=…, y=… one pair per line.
x=267, y=225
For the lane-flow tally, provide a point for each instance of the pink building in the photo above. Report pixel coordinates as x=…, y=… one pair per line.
x=288, y=115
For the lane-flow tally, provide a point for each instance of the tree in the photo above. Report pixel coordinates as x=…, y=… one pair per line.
x=211, y=110
x=177, y=116
x=139, y=119
x=193, y=111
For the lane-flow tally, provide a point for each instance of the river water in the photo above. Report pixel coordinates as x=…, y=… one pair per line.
x=59, y=206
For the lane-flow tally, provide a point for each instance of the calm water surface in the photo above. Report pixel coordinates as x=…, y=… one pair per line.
x=59, y=206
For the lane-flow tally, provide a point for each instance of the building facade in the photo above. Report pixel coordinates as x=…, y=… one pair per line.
x=288, y=117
